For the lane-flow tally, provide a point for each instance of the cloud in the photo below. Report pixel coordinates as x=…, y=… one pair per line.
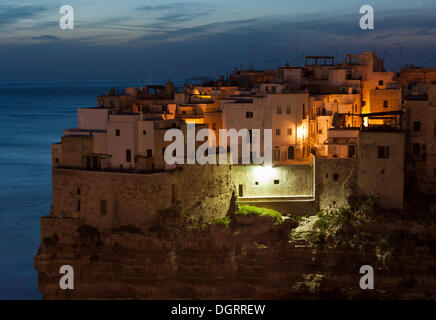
x=12, y=14
x=45, y=37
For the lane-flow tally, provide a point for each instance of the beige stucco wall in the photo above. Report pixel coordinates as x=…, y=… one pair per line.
x=137, y=199
x=382, y=177
x=293, y=181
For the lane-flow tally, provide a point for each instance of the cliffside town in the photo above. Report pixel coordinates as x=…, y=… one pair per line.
x=344, y=136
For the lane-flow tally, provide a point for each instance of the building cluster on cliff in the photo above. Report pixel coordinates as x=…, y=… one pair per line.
x=338, y=130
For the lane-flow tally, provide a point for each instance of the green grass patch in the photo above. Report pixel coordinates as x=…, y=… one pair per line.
x=262, y=212
x=222, y=221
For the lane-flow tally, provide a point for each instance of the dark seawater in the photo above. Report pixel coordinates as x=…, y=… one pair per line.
x=32, y=117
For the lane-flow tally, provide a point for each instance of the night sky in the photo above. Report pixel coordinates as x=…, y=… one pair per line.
x=135, y=39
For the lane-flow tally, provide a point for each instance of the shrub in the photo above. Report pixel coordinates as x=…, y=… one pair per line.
x=263, y=212
x=222, y=221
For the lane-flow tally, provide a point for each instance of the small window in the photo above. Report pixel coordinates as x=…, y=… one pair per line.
x=149, y=153
x=276, y=181
x=416, y=125
x=385, y=104
x=416, y=147
x=78, y=191
x=57, y=160
x=103, y=207
x=277, y=132
x=78, y=205
x=144, y=132
x=117, y=132
x=289, y=131
x=381, y=82
x=383, y=152
x=257, y=182
x=128, y=155
x=249, y=115
x=336, y=177
x=241, y=190
x=288, y=109
x=279, y=109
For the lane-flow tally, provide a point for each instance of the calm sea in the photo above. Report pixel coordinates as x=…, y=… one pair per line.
x=32, y=117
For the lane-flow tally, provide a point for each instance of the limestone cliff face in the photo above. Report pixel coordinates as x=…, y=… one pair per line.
x=252, y=258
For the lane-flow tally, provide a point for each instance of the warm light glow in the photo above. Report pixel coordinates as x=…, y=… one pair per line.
x=264, y=173
x=365, y=121
x=301, y=132
x=194, y=120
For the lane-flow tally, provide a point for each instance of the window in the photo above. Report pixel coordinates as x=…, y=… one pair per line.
x=78, y=205
x=381, y=82
x=241, y=190
x=214, y=126
x=288, y=109
x=304, y=111
x=256, y=183
x=174, y=193
x=277, y=155
x=279, y=109
x=273, y=89
x=351, y=151
x=78, y=191
x=249, y=115
x=250, y=136
x=416, y=125
x=336, y=177
x=291, y=153
x=277, y=132
x=128, y=155
x=289, y=131
x=416, y=147
x=57, y=160
x=103, y=207
x=117, y=132
x=385, y=104
x=149, y=153
x=383, y=152
x=144, y=132
x=276, y=181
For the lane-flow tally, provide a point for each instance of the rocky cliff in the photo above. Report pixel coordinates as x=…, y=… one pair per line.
x=243, y=257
